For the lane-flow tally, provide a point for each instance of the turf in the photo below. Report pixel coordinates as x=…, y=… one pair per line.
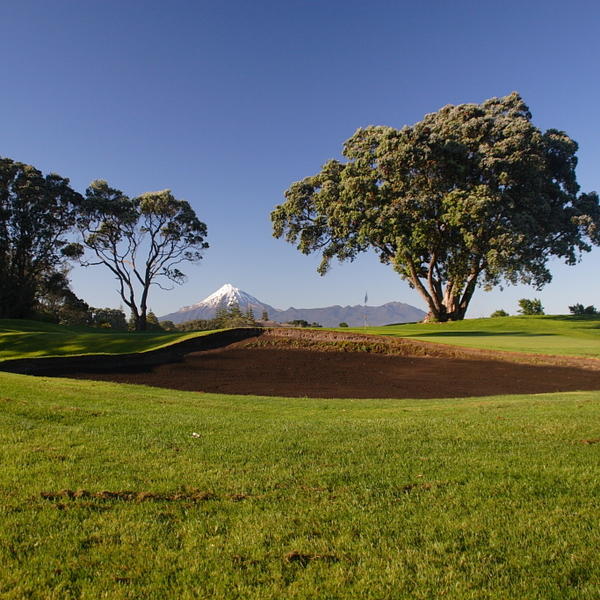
x=558, y=334
x=31, y=339
x=211, y=496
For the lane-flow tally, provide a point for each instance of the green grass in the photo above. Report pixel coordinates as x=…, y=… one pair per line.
x=478, y=498
x=32, y=339
x=563, y=335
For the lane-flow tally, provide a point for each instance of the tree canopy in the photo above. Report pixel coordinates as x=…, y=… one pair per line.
x=580, y=309
x=472, y=195
x=36, y=214
x=529, y=307
x=142, y=241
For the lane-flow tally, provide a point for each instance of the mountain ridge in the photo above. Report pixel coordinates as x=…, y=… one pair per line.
x=328, y=316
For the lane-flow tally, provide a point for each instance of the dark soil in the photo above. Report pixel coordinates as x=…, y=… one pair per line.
x=238, y=369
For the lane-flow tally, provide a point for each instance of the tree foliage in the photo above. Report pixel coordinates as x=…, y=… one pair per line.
x=303, y=323
x=142, y=241
x=36, y=213
x=152, y=322
x=580, y=309
x=57, y=303
x=471, y=195
x=225, y=317
x=531, y=307
x=109, y=318
x=499, y=313
x=232, y=316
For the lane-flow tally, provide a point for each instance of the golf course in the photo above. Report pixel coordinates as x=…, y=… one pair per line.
x=113, y=490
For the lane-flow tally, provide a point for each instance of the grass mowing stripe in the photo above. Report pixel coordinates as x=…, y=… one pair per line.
x=467, y=498
x=548, y=334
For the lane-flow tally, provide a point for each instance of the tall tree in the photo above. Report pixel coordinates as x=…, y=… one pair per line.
x=142, y=241
x=55, y=301
x=471, y=195
x=36, y=214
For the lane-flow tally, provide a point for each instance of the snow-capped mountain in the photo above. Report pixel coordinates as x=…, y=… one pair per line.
x=330, y=316
x=226, y=296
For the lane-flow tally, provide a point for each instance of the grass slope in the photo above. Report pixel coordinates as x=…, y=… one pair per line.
x=277, y=498
x=562, y=335
x=31, y=339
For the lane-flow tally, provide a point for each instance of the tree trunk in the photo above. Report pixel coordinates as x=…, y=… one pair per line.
x=140, y=323
x=444, y=315
x=447, y=308
x=452, y=304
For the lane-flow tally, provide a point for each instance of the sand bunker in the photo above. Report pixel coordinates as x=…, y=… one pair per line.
x=312, y=366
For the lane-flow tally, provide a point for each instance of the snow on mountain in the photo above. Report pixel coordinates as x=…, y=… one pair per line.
x=330, y=316
x=226, y=296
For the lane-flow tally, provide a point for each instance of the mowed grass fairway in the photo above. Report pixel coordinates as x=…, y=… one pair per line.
x=33, y=339
x=120, y=491
x=279, y=498
x=548, y=334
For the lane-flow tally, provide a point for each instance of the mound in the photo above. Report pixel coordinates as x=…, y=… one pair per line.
x=333, y=365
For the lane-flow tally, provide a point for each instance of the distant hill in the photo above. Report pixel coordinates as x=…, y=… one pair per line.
x=330, y=316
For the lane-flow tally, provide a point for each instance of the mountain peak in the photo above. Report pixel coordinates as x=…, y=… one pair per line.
x=228, y=295
x=225, y=291
x=225, y=297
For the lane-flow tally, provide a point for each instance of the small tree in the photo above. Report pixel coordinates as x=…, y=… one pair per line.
x=142, y=241
x=114, y=318
x=299, y=323
x=168, y=325
x=195, y=325
x=264, y=316
x=231, y=316
x=580, y=309
x=152, y=323
x=499, y=313
x=343, y=324
x=531, y=307
x=221, y=316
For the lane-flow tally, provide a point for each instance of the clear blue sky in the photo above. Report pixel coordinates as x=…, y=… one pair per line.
x=228, y=102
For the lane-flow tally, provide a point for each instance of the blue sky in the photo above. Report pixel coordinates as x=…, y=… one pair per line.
x=228, y=102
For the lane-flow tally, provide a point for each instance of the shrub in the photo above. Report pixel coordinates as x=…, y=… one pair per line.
x=580, y=309
x=531, y=307
x=499, y=313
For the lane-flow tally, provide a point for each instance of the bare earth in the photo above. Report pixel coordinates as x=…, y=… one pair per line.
x=272, y=367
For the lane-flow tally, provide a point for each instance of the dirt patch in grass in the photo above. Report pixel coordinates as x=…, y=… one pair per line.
x=317, y=374
x=303, y=559
x=129, y=496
